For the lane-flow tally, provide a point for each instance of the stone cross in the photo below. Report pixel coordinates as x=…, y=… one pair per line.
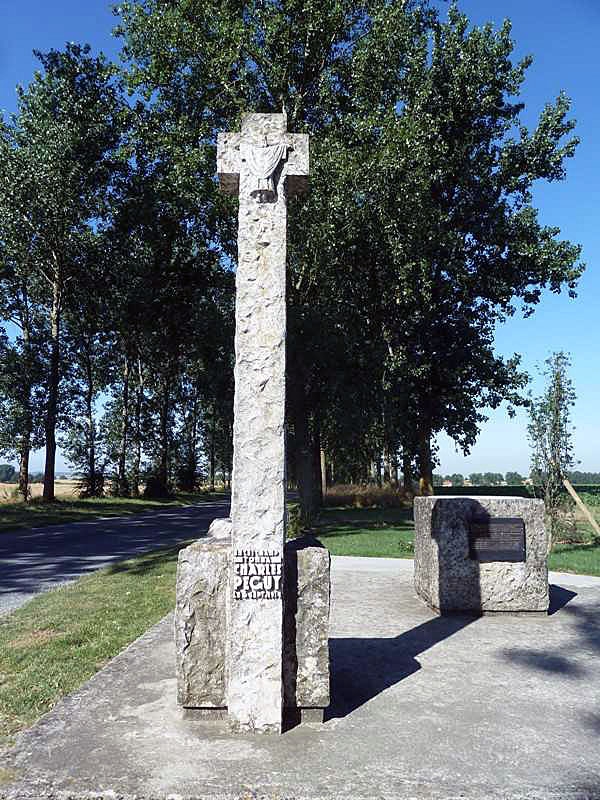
x=264, y=165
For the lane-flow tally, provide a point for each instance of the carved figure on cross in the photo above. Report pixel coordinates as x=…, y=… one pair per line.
x=267, y=155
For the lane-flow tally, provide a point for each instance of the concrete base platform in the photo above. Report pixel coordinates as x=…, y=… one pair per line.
x=422, y=707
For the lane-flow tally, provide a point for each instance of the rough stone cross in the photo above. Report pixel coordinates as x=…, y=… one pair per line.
x=264, y=164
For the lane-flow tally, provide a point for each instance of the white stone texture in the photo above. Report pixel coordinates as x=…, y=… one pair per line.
x=201, y=623
x=202, y=634
x=448, y=580
x=220, y=528
x=306, y=624
x=255, y=694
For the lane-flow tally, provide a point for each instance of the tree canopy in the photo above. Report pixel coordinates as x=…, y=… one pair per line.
x=418, y=237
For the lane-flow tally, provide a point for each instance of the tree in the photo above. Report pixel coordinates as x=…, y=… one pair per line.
x=514, y=479
x=418, y=235
x=492, y=478
x=60, y=148
x=577, y=476
x=476, y=479
x=466, y=166
x=89, y=351
x=551, y=437
x=7, y=473
x=457, y=479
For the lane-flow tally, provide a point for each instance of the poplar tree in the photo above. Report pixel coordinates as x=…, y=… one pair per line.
x=551, y=438
x=62, y=146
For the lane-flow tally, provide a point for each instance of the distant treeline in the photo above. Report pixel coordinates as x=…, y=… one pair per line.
x=8, y=474
x=509, y=478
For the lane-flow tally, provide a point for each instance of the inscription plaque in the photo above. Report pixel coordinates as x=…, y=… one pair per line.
x=257, y=574
x=497, y=539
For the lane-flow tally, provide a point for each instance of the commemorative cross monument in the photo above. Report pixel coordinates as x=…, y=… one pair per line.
x=254, y=673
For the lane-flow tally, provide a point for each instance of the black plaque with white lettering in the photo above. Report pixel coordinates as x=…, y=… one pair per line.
x=497, y=539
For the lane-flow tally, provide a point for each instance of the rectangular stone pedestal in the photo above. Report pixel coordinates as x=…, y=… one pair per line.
x=202, y=628
x=481, y=554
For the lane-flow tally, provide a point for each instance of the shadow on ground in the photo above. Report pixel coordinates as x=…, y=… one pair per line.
x=363, y=668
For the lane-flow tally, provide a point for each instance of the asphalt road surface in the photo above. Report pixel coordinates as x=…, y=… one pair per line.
x=43, y=558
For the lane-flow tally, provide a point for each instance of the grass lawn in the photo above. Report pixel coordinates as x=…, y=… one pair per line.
x=58, y=640
x=34, y=514
x=582, y=559
x=390, y=532
x=381, y=532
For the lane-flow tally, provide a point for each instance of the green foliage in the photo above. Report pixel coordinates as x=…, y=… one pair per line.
x=579, y=477
x=418, y=237
x=7, y=473
x=514, y=479
x=492, y=478
x=551, y=438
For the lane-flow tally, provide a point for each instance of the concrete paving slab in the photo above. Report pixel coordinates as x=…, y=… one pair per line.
x=422, y=707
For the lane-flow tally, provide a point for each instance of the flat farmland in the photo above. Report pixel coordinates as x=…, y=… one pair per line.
x=61, y=489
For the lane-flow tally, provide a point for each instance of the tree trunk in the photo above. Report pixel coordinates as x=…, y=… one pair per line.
x=307, y=473
x=323, y=473
x=93, y=488
x=25, y=444
x=122, y=486
x=316, y=450
x=213, y=427
x=24, y=467
x=425, y=465
x=407, y=474
x=52, y=407
x=137, y=460
x=163, y=467
x=387, y=466
x=395, y=469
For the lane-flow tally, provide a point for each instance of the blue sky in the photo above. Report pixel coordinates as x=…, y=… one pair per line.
x=562, y=36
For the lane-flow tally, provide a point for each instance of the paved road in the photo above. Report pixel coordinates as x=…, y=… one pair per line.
x=40, y=559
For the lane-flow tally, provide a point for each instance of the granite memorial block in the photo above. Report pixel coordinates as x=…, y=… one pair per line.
x=202, y=627
x=481, y=554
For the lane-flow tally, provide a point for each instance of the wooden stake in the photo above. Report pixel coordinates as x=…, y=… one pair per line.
x=581, y=506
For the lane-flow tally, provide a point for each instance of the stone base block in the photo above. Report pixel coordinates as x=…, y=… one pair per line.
x=292, y=717
x=205, y=714
x=201, y=622
x=452, y=575
x=202, y=627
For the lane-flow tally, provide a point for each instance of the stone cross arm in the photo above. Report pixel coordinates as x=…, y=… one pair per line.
x=261, y=149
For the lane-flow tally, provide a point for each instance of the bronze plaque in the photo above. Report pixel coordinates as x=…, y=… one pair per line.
x=497, y=539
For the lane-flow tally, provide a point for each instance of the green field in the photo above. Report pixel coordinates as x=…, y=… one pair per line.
x=390, y=533
x=379, y=532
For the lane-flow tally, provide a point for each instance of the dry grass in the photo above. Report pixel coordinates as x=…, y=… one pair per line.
x=365, y=496
x=8, y=491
